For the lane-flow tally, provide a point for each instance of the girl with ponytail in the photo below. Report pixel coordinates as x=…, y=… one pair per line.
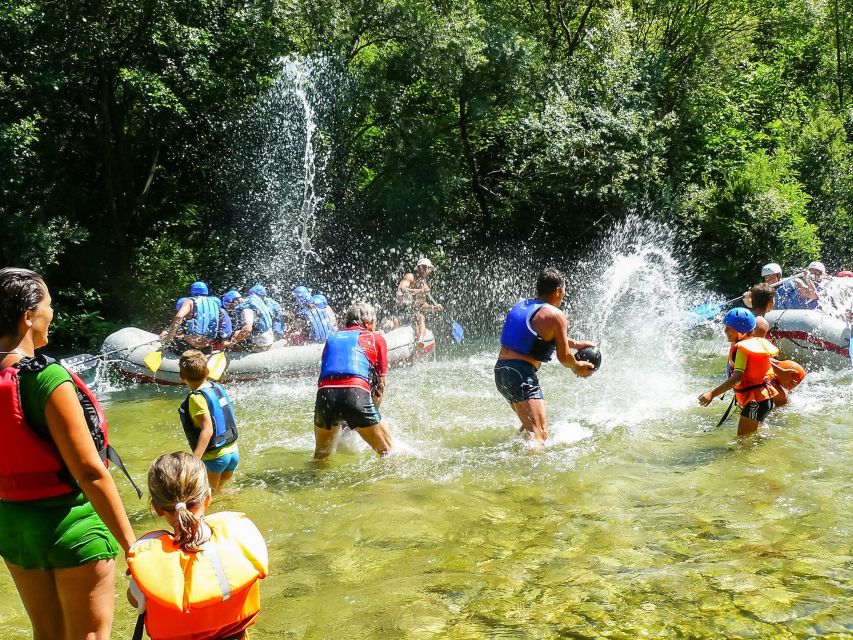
x=199, y=581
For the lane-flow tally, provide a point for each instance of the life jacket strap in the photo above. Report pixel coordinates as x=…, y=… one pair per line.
x=113, y=456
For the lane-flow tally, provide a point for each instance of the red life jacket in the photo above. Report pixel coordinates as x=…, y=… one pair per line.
x=32, y=467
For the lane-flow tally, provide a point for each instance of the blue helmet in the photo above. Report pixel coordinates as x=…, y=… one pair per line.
x=198, y=289
x=258, y=290
x=302, y=294
x=740, y=319
x=179, y=303
x=319, y=301
x=231, y=296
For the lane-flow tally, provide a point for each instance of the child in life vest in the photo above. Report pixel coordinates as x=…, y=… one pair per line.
x=750, y=371
x=207, y=417
x=199, y=581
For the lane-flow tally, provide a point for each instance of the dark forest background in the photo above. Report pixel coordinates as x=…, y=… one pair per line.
x=480, y=123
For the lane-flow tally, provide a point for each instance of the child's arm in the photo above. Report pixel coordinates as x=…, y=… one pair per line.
x=204, y=436
x=731, y=383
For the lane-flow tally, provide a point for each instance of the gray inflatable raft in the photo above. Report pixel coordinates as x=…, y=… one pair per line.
x=811, y=337
x=132, y=345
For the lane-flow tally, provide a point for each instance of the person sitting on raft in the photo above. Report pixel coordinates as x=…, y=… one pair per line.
x=254, y=322
x=750, y=372
x=321, y=302
x=312, y=322
x=276, y=310
x=352, y=384
x=533, y=330
x=207, y=417
x=201, y=580
x=794, y=293
x=414, y=300
x=199, y=322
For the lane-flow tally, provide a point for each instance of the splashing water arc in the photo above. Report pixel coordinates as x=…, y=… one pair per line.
x=275, y=173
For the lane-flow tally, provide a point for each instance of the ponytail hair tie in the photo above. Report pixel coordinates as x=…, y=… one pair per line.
x=180, y=505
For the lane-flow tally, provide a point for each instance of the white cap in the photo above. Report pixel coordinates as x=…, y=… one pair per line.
x=817, y=266
x=425, y=262
x=771, y=269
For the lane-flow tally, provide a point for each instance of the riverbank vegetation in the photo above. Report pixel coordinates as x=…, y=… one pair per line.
x=478, y=122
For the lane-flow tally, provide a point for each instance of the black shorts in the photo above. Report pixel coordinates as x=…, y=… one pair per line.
x=352, y=405
x=517, y=381
x=757, y=411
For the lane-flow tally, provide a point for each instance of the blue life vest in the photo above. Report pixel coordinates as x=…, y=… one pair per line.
x=519, y=336
x=319, y=327
x=205, y=320
x=225, y=326
x=343, y=356
x=277, y=315
x=263, y=319
x=221, y=413
x=787, y=297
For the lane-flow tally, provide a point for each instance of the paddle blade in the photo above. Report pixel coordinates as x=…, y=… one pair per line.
x=153, y=360
x=216, y=365
x=458, y=332
x=709, y=310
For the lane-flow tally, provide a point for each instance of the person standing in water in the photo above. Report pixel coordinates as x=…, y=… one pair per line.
x=414, y=300
x=533, y=330
x=352, y=384
x=62, y=522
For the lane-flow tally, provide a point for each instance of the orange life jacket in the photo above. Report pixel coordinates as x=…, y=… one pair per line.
x=789, y=374
x=211, y=593
x=755, y=384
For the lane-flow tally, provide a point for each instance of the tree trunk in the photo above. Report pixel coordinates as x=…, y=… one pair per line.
x=473, y=169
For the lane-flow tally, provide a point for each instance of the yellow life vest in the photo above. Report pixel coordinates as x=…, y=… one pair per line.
x=206, y=594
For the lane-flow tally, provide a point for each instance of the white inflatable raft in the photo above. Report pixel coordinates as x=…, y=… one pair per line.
x=131, y=345
x=811, y=337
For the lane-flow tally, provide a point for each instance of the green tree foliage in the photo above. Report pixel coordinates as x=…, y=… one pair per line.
x=479, y=123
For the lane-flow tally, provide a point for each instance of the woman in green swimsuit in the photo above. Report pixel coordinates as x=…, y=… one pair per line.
x=61, y=549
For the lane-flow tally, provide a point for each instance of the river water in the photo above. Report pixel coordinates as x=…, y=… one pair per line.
x=634, y=521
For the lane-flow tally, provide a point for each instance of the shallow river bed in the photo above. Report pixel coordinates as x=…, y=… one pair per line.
x=633, y=522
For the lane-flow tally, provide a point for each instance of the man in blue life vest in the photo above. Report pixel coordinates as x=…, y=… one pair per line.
x=254, y=323
x=321, y=302
x=275, y=309
x=198, y=322
x=533, y=330
x=352, y=383
x=794, y=293
x=311, y=322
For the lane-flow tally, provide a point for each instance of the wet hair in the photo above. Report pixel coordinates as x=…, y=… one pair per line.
x=762, y=295
x=549, y=280
x=193, y=365
x=361, y=314
x=177, y=482
x=21, y=290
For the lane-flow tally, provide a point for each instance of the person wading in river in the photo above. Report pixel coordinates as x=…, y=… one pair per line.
x=352, y=383
x=414, y=300
x=533, y=330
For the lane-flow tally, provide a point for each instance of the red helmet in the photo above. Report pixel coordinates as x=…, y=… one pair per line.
x=844, y=274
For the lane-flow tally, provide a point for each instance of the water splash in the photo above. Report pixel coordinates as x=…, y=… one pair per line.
x=275, y=175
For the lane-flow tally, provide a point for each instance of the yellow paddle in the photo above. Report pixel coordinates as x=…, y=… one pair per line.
x=153, y=360
x=216, y=365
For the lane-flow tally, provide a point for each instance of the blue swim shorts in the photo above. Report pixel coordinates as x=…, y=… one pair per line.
x=517, y=381
x=228, y=462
